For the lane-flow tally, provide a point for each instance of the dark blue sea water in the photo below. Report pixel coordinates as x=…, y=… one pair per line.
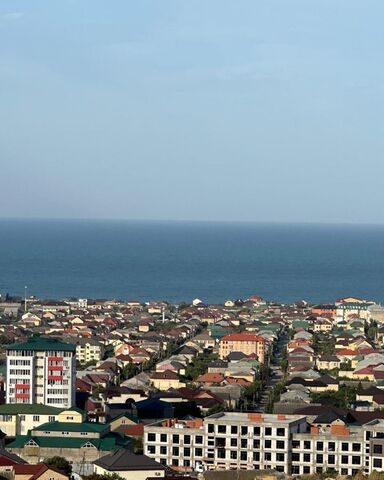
x=181, y=261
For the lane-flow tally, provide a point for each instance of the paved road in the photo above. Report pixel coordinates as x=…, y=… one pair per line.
x=276, y=372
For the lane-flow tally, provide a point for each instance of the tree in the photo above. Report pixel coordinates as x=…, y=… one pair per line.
x=60, y=463
x=105, y=476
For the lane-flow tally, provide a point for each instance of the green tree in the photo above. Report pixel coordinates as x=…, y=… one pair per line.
x=96, y=476
x=60, y=463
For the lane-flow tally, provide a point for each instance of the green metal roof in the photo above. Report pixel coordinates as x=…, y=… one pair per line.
x=42, y=344
x=110, y=442
x=72, y=427
x=25, y=409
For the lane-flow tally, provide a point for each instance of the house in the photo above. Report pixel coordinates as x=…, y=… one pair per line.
x=18, y=419
x=129, y=466
x=79, y=442
x=39, y=471
x=165, y=380
x=328, y=362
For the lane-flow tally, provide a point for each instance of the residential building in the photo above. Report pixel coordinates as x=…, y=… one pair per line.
x=71, y=437
x=224, y=441
x=18, y=419
x=129, y=466
x=41, y=371
x=87, y=349
x=245, y=342
x=285, y=443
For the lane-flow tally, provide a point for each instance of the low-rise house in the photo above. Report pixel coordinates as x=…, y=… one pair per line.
x=129, y=466
x=18, y=419
x=328, y=362
x=79, y=442
x=166, y=380
x=40, y=471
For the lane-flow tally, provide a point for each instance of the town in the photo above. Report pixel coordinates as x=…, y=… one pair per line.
x=139, y=390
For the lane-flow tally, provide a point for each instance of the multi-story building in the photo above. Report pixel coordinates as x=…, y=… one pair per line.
x=41, y=370
x=285, y=443
x=87, y=349
x=247, y=343
x=225, y=441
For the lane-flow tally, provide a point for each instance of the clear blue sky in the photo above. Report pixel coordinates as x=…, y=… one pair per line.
x=211, y=110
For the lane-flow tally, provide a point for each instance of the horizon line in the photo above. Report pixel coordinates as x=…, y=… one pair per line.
x=212, y=221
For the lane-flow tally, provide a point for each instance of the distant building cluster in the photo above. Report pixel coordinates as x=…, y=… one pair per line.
x=148, y=390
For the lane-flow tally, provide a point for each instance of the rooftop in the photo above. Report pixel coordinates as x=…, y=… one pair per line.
x=42, y=344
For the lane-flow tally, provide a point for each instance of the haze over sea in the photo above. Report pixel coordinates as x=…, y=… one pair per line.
x=179, y=261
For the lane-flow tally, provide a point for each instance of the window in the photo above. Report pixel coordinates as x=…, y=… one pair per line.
x=234, y=430
x=377, y=463
x=344, y=459
x=88, y=445
x=244, y=443
x=256, y=444
x=280, y=457
x=306, y=470
x=163, y=437
x=221, y=429
x=378, y=449
x=187, y=439
x=331, y=459
x=175, y=438
x=256, y=431
x=295, y=457
x=163, y=450
x=51, y=418
x=151, y=437
x=268, y=431
x=267, y=456
x=331, y=446
x=244, y=430
x=295, y=444
x=243, y=456
x=256, y=456
x=345, y=447
x=319, y=458
x=306, y=457
x=36, y=418
x=187, y=452
x=280, y=432
x=268, y=444
x=151, y=449
x=233, y=455
x=319, y=446
x=31, y=443
x=307, y=445
x=199, y=439
x=356, y=447
x=233, y=442
x=211, y=428
x=175, y=451
x=355, y=460
x=280, y=444
x=198, y=452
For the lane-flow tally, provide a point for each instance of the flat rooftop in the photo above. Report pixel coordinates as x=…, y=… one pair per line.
x=255, y=418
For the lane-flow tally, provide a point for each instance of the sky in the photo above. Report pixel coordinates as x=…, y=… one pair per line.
x=250, y=110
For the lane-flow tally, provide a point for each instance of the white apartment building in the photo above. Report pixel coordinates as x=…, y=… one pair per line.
x=227, y=440
x=250, y=441
x=41, y=371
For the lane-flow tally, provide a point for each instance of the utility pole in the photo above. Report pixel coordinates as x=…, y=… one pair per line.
x=25, y=299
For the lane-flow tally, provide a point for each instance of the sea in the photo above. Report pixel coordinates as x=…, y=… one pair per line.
x=180, y=261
